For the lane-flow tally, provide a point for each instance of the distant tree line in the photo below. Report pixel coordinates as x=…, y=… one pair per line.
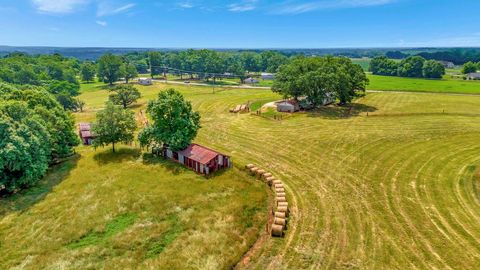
x=412, y=66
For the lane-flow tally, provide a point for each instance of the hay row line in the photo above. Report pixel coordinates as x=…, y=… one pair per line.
x=281, y=211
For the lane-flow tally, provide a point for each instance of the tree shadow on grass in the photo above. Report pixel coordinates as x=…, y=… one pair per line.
x=26, y=198
x=173, y=167
x=341, y=112
x=121, y=155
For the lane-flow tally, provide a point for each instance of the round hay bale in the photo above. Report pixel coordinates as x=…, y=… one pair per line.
x=283, y=204
x=280, y=215
x=280, y=221
x=277, y=230
x=277, y=182
x=267, y=175
x=254, y=170
x=279, y=190
x=260, y=172
x=249, y=166
x=280, y=199
x=278, y=185
x=268, y=181
x=283, y=209
x=281, y=194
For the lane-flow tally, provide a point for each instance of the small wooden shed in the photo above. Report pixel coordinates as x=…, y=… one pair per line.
x=85, y=132
x=199, y=158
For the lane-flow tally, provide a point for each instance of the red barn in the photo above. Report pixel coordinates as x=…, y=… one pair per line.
x=199, y=158
x=85, y=132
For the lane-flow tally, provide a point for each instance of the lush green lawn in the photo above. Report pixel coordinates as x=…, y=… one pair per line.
x=390, y=183
x=446, y=85
x=364, y=62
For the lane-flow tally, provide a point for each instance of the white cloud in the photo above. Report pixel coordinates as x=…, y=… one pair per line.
x=298, y=8
x=185, y=5
x=245, y=5
x=105, y=9
x=58, y=6
x=101, y=23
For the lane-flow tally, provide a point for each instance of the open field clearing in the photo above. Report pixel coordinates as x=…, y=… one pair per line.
x=446, y=85
x=395, y=189
x=128, y=210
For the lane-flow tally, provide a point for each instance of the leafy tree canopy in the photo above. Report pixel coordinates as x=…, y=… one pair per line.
x=34, y=131
x=174, y=123
x=124, y=95
x=110, y=68
x=113, y=125
x=319, y=78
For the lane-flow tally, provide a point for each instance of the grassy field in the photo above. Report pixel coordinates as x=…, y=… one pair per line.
x=364, y=62
x=390, y=183
x=446, y=85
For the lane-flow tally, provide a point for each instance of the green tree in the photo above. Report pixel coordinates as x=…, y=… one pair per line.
x=383, y=66
x=411, y=67
x=80, y=104
x=88, y=71
x=57, y=87
x=24, y=153
x=155, y=60
x=433, y=69
x=469, y=67
x=124, y=95
x=110, y=68
x=130, y=72
x=113, y=125
x=174, y=123
x=34, y=131
x=319, y=79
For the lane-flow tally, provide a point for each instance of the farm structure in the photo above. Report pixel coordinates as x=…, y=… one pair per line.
x=251, y=81
x=268, y=76
x=145, y=81
x=199, y=158
x=290, y=106
x=473, y=76
x=85, y=132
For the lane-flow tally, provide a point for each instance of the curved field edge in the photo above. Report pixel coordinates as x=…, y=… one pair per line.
x=387, y=184
x=132, y=210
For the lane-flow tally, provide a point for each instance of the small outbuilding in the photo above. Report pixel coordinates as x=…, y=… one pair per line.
x=200, y=159
x=145, y=81
x=473, y=76
x=290, y=106
x=268, y=76
x=251, y=81
x=86, y=134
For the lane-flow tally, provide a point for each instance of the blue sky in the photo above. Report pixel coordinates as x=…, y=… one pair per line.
x=240, y=23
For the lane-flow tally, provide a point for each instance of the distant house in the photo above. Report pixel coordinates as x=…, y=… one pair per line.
x=251, y=81
x=145, y=81
x=473, y=76
x=199, y=158
x=447, y=64
x=85, y=132
x=268, y=76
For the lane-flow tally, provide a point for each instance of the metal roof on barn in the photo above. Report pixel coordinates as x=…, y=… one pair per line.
x=84, y=126
x=199, y=153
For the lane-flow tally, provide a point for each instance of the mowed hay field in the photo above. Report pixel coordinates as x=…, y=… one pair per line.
x=445, y=85
x=129, y=210
x=396, y=189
